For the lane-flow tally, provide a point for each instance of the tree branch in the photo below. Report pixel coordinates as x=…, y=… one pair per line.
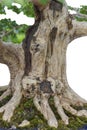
x=80, y=29
x=81, y=16
x=10, y=54
x=78, y=14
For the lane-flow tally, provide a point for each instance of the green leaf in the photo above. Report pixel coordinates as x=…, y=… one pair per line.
x=21, y=2
x=7, y=2
x=83, y=9
x=28, y=10
x=2, y=10
x=44, y=2
x=62, y=1
x=15, y=9
x=20, y=37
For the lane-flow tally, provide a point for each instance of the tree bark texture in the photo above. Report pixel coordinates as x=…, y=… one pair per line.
x=38, y=65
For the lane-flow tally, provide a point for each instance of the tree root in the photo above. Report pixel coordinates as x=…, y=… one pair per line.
x=3, y=88
x=41, y=91
x=60, y=110
x=73, y=111
x=5, y=94
x=11, y=54
x=61, y=103
x=15, y=90
x=9, y=108
x=43, y=106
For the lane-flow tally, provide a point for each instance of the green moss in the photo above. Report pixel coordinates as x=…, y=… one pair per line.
x=75, y=123
x=27, y=110
x=62, y=126
x=51, y=102
x=5, y=100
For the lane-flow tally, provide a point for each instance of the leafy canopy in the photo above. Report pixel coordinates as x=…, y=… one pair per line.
x=9, y=30
x=12, y=32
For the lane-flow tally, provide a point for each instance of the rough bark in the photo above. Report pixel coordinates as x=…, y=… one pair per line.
x=80, y=28
x=13, y=56
x=38, y=70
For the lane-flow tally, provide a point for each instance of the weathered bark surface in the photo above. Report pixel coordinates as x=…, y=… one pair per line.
x=54, y=29
x=13, y=56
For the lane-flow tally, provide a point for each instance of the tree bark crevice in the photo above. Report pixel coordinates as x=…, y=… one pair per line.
x=38, y=66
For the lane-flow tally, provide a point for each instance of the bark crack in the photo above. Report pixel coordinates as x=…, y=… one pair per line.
x=38, y=66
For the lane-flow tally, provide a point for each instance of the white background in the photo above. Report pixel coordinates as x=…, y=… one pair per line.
x=76, y=56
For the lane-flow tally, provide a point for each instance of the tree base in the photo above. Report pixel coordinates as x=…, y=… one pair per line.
x=26, y=110
x=63, y=99
x=41, y=91
x=47, y=71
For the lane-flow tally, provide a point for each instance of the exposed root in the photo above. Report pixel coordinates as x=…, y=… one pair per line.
x=3, y=88
x=13, y=56
x=69, y=108
x=15, y=90
x=57, y=86
x=82, y=113
x=60, y=110
x=5, y=94
x=43, y=106
x=75, y=112
x=46, y=88
x=9, y=108
x=41, y=91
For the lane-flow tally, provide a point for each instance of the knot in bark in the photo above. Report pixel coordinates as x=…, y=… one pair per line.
x=45, y=87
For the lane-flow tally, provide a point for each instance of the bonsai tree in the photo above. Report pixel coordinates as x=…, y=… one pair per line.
x=38, y=65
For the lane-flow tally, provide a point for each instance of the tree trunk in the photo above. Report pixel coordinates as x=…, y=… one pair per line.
x=38, y=66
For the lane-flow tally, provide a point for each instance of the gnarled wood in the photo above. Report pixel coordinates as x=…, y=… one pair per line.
x=10, y=55
x=46, y=76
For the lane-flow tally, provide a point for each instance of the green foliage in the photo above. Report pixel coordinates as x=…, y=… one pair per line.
x=81, y=19
x=11, y=32
x=28, y=10
x=21, y=2
x=44, y=2
x=83, y=9
x=2, y=11
x=26, y=7
x=15, y=9
x=62, y=1
x=7, y=2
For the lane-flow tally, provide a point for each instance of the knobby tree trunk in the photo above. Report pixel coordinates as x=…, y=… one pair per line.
x=38, y=65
